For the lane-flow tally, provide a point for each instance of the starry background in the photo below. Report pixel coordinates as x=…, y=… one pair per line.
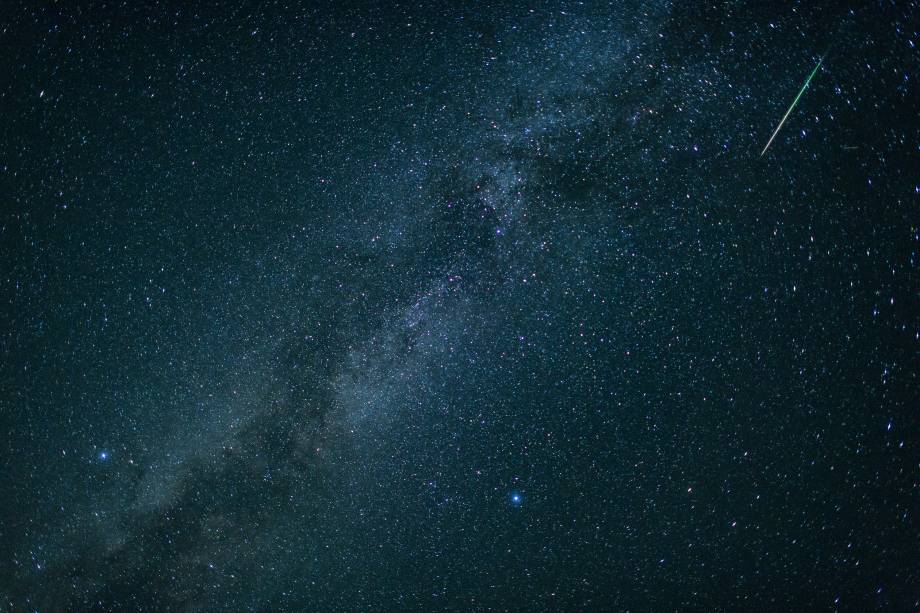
x=396, y=306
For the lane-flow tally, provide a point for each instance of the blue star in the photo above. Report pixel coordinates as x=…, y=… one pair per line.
x=103, y=455
x=516, y=499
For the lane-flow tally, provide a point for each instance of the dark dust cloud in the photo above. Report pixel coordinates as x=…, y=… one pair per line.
x=426, y=306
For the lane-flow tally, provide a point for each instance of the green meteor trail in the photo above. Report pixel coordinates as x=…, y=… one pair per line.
x=792, y=106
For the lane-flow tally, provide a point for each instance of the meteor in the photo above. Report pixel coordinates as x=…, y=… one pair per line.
x=792, y=106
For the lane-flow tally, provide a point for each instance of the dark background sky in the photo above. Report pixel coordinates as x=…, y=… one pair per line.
x=396, y=306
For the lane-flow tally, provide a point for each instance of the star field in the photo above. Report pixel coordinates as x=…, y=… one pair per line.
x=472, y=306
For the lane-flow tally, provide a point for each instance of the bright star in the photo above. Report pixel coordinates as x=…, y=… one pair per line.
x=103, y=455
x=516, y=499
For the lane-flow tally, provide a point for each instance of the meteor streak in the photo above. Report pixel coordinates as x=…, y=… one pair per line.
x=792, y=106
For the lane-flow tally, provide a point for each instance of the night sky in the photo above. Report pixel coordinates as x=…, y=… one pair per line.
x=387, y=306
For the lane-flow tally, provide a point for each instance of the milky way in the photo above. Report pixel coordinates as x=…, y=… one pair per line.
x=395, y=307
